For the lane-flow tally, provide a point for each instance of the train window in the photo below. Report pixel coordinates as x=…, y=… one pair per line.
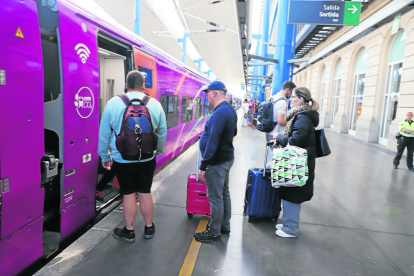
x=186, y=109
x=148, y=77
x=197, y=108
x=170, y=105
x=205, y=107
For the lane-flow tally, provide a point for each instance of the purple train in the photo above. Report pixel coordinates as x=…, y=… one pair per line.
x=59, y=66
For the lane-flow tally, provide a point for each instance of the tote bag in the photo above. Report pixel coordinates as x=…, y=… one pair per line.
x=289, y=166
x=322, y=146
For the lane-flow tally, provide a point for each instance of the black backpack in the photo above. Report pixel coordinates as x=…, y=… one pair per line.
x=265, y=118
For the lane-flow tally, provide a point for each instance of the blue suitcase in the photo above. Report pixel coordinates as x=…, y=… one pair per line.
x=261, y=199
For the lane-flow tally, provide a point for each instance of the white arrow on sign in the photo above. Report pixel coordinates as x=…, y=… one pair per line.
x=354, y=9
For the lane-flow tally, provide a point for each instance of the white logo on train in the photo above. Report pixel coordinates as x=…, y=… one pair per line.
x=84, y=102
x=83, y=52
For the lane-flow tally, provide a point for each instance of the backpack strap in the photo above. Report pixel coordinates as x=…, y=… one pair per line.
x=145, y=100
x=125, y=99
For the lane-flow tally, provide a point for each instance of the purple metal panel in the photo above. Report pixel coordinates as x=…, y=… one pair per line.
x=75, y=215
x=21, y=248
x=80, y=74
x=21, y=120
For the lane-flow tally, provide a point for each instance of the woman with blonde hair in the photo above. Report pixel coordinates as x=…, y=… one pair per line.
x=300, y=131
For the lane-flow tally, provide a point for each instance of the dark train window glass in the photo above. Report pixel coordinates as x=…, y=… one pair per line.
x=205, y=107
x=197, y=108
x=148, y=77
x=187, y=106
x=170, y=105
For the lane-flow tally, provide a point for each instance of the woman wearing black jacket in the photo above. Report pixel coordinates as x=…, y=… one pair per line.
x=300, y=131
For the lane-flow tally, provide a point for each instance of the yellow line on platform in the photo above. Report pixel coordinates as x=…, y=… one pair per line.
x=190, y=259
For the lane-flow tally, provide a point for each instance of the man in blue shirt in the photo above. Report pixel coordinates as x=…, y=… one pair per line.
x=133, y=176
x=216, y=146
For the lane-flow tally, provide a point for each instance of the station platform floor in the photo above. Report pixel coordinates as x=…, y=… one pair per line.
x=359, y=222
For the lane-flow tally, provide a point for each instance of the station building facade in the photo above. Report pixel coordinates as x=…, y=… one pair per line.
x=366, y=88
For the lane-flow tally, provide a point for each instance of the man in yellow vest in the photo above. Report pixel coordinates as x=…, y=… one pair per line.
x=406, y=139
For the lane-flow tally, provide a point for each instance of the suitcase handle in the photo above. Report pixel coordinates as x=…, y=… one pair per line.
x=268, y=144
x=198, y=158
x=202, y=194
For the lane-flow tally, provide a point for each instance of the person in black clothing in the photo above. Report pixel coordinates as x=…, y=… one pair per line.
x=300, y=131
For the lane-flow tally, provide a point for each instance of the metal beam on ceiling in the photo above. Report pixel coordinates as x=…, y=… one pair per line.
x=262, y=58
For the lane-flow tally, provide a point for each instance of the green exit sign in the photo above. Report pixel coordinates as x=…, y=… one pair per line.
x=352, y=13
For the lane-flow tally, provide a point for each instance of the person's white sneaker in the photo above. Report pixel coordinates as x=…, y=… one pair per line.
x=279, y=226
x=282, y=234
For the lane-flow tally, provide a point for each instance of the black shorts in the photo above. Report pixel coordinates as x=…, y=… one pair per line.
x=135, y=177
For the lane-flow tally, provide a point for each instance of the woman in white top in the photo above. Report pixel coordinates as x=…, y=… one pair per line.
x=245, y=107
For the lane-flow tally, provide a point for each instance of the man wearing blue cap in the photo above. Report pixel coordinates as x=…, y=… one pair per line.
x=216, y=146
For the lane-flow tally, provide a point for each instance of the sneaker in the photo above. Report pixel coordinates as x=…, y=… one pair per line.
x=279, y=226
x=206, y=236
x=149, y=231
x=395, y=167
x=282, y=234
x=123, y=233
x=99, y=196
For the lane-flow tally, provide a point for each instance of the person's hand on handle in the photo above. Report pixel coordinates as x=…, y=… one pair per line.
x=271, y=143
x=201, y=175
x=107, y=165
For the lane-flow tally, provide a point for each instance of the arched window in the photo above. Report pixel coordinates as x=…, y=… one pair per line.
x=337, y=91
x=358, y=94
x=322, y=91
x=392, y=91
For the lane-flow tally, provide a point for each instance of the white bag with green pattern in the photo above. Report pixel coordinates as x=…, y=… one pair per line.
x=289, y=166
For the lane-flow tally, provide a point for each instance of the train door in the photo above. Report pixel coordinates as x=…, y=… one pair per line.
x=115, y=61
x=145, y=63
x=21, y=139
x=112, y=76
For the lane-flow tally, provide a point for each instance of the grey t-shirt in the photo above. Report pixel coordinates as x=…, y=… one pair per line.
x=279, y=107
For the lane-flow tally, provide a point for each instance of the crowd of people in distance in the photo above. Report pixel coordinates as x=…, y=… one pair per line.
x=250, y=112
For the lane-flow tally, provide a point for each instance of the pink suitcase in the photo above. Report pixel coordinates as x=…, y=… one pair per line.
x=197, y=201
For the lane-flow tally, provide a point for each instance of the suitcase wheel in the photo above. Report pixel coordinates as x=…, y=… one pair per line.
x=189, y=215
x=250, y=218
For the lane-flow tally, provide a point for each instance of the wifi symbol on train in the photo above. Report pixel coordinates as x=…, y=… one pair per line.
x=83, y=52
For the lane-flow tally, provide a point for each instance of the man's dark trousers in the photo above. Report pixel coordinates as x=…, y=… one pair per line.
x=402, y=143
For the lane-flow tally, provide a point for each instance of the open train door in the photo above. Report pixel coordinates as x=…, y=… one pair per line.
x=145, y=63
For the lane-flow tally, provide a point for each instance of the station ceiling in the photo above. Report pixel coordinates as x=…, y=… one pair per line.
x=220, y=50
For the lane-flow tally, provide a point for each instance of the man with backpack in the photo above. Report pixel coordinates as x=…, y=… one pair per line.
x=132, y=132
x=280, y=105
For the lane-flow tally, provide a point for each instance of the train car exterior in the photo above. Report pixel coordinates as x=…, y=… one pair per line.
x=57, y=73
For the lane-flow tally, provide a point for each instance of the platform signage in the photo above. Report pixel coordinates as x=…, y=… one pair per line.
x=324, y=12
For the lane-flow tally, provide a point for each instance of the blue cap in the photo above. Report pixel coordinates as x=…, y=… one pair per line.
x=215, y=85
